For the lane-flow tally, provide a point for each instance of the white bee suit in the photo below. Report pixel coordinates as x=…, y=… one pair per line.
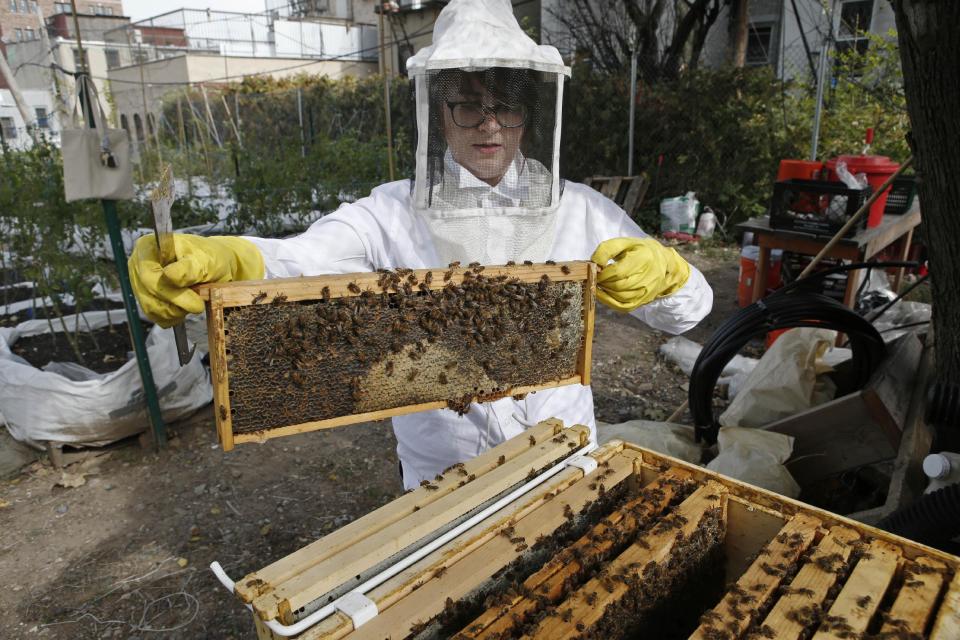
x=383, y=231
x=486, y=188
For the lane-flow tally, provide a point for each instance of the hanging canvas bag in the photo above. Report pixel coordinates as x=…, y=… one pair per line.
x=96, y=161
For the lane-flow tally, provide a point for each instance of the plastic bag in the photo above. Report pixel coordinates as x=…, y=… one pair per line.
x=785, y=381
x=679, y=214
x=684, y=353
x=71, y=404
x=756, y=457
x=675, y=440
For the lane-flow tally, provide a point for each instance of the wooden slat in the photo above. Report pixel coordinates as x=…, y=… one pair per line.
x=461, y=578
x=760, y=581
x=550, y=581
x=589, y=316
x=611, y=188
x=947, y=626
x=585, y=609
x=313, y=583
x=383, y=414
x=218, y=365
x=259, y=582
x=240, y=294
x=915, y=602
x=860, y=597
x=811, y=585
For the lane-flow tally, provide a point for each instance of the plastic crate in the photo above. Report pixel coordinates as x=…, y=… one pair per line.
x=815, y=206
x=900, y=199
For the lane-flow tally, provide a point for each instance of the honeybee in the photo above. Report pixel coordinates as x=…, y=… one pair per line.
x=528, y=263
x=442, y=378
x=353, y=287
x=565, y=269
x=389, y=367
x=428, y=277
x=551, y=262
x=257, y=299
x=279, y=298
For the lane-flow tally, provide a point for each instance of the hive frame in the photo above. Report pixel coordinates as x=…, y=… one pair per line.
x=220, y=296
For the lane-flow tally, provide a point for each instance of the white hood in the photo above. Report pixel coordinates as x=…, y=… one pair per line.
x=479, y=34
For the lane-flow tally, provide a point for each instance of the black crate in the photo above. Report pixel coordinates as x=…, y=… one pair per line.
x=816, y=206
x=900, y=197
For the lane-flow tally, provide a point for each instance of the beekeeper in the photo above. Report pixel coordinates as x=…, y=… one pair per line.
x=486, y=189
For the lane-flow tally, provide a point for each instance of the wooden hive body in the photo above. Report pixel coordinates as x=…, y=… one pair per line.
x=643, y=543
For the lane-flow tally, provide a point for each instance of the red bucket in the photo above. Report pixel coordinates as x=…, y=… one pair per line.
x=802, y=170
x=877, y=170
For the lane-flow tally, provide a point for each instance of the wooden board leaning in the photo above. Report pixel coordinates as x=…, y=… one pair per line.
x=298, y=354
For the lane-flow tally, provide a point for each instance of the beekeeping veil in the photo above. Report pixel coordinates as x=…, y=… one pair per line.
x=488, y=101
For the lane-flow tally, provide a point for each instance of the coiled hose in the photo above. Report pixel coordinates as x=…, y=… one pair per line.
x=933, y=520
x=795, y=305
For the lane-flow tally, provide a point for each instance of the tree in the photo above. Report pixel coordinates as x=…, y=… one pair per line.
x=930, y=53
x=669, y=34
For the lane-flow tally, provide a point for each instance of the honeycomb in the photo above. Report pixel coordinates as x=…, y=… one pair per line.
x=401, y=343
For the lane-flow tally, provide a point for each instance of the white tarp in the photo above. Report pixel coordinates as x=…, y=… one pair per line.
x=67, y=403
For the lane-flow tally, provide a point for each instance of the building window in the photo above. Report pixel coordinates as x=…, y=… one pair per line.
x=759, y=50
x=856, y=18
x=28, y=33
x=23, y=6
x=138, y=125
x=18, y=35
x=125, y=124
x=62, y=7
x=13, y=6
x=43, y=118
x=76, y=59
x=33, y=6
x=113, y=58
x=8, y=129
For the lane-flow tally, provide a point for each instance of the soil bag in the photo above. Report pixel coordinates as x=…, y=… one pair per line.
x=69, y=404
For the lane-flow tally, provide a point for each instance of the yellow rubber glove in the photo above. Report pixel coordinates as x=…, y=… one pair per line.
x=636, y=271
x=165, y=293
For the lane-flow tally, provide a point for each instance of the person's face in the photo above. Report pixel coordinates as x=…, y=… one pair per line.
x=485, y=149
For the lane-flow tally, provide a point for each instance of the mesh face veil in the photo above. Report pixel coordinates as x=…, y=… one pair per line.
x=488, y=120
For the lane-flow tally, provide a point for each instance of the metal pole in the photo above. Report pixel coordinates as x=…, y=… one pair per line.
x=633, y=107
x=129, y=301
x=386, y=98
x=303, y=143
x=821, y=81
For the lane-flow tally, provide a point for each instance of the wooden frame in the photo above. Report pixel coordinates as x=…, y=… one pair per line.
x=761, y=528
x=219, y=297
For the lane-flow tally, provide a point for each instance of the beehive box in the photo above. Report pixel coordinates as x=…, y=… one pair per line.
x=297, y=354
x=642, y=546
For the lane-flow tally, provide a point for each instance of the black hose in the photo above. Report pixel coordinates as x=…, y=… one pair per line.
x=932, y=520
x=794, y=305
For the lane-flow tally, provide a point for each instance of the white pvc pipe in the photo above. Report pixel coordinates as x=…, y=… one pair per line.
x=325, y=611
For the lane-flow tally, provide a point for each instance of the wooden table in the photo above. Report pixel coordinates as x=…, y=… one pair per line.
x=860, y=247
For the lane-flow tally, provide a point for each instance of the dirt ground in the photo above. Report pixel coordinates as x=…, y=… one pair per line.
x=125, y=554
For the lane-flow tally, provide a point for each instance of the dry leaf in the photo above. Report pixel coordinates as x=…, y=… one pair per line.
x=4, y=504
x=71, y=480
x=182, y=562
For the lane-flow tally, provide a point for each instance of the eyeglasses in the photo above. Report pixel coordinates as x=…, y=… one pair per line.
x=469, y=115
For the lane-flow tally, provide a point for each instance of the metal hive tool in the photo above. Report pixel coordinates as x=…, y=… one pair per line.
x=293, y=355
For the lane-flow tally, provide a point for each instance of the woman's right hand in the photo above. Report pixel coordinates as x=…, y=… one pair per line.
x=164, y=292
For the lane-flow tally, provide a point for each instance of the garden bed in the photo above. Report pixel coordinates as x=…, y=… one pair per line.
x=103, y=350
